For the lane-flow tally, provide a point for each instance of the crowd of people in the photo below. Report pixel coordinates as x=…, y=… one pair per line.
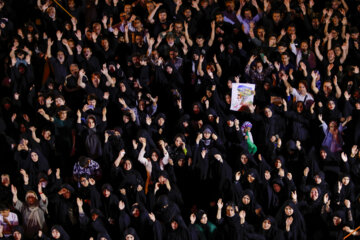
x=115, y=119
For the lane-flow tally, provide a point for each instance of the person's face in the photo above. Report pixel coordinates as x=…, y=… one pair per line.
x=331, y=55
x=48, y=101
x=302, y=89
x=345, y=180
x=34, y=156
x=74, y=70
x=5, y=213
x=304, y=47
x=331, y=105
x=150, y=7
x=169, y=69
x=200, y=41
x=87, y=52
x=291, y=30
x=204, y=219
x=127, y=9
x=137, y=24
x=105, y=43
x=261, y=33
x=266, y=224
x=174, y=225
x=196, y=109
x=250, y=178
x=84, y=182
x=68, y=26
x=47, y=135
x=97, y=28
x=230, y=123
x=94, y=216
x=60, y=56
x=354, y=36
x=127, y=165
x=276, y=187
x=129, y=237
x=181, y=162
x=314, y=194
x=230, y=6
x=285, y=59
x=315, y=23
x=317, y=179
x=289, y=211
x=62, y=115
x=245, y=200
x=335, y=4
x=170, y=41
x=55, y=234
x=336, y=221
x=327, y=87
x=71, y=3
x=219, y=18
x=162, y=17
x=228, y=99
x=299, y=107
x=244, y=159
x=95, y=79
x=281, y=49
x=178, y=142
x=207, y=135
x=230, y=211
x=276, y=18
x=259, y=67
x=268, y=113
x=248, y=15
x=106, y=193
x=178, y=27
x=272, y=41
x=5, y=180
x=17, y=235
x=29, y=37
x=51, y=12
x=162, y=180
x=139, y=40
x=204, y=4
x=91, y=123
x=136, y=212
x=335, y=20
x=267, y=174
x=125, y=119
x=187, y=13
x=154, y=156
x=59, y=102
x=67, y=194
x=337, y=51
x=278, y=164
x=161, y=122
x=30, y=200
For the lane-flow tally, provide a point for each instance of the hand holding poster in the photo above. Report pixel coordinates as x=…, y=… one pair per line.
x=242, y=95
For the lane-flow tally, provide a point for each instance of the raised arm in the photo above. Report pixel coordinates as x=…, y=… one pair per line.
x=80, y=82
x=317, y=50
x=49, y=45
x=212, y=36
x=200, y=71
x=186, y=32
x=218, y=67
x=314, y=76
x=152, y=14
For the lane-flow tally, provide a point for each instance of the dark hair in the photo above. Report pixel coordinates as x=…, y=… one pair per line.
x=84, y=161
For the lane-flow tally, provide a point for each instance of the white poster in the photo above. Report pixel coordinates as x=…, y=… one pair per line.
x=242, y=95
